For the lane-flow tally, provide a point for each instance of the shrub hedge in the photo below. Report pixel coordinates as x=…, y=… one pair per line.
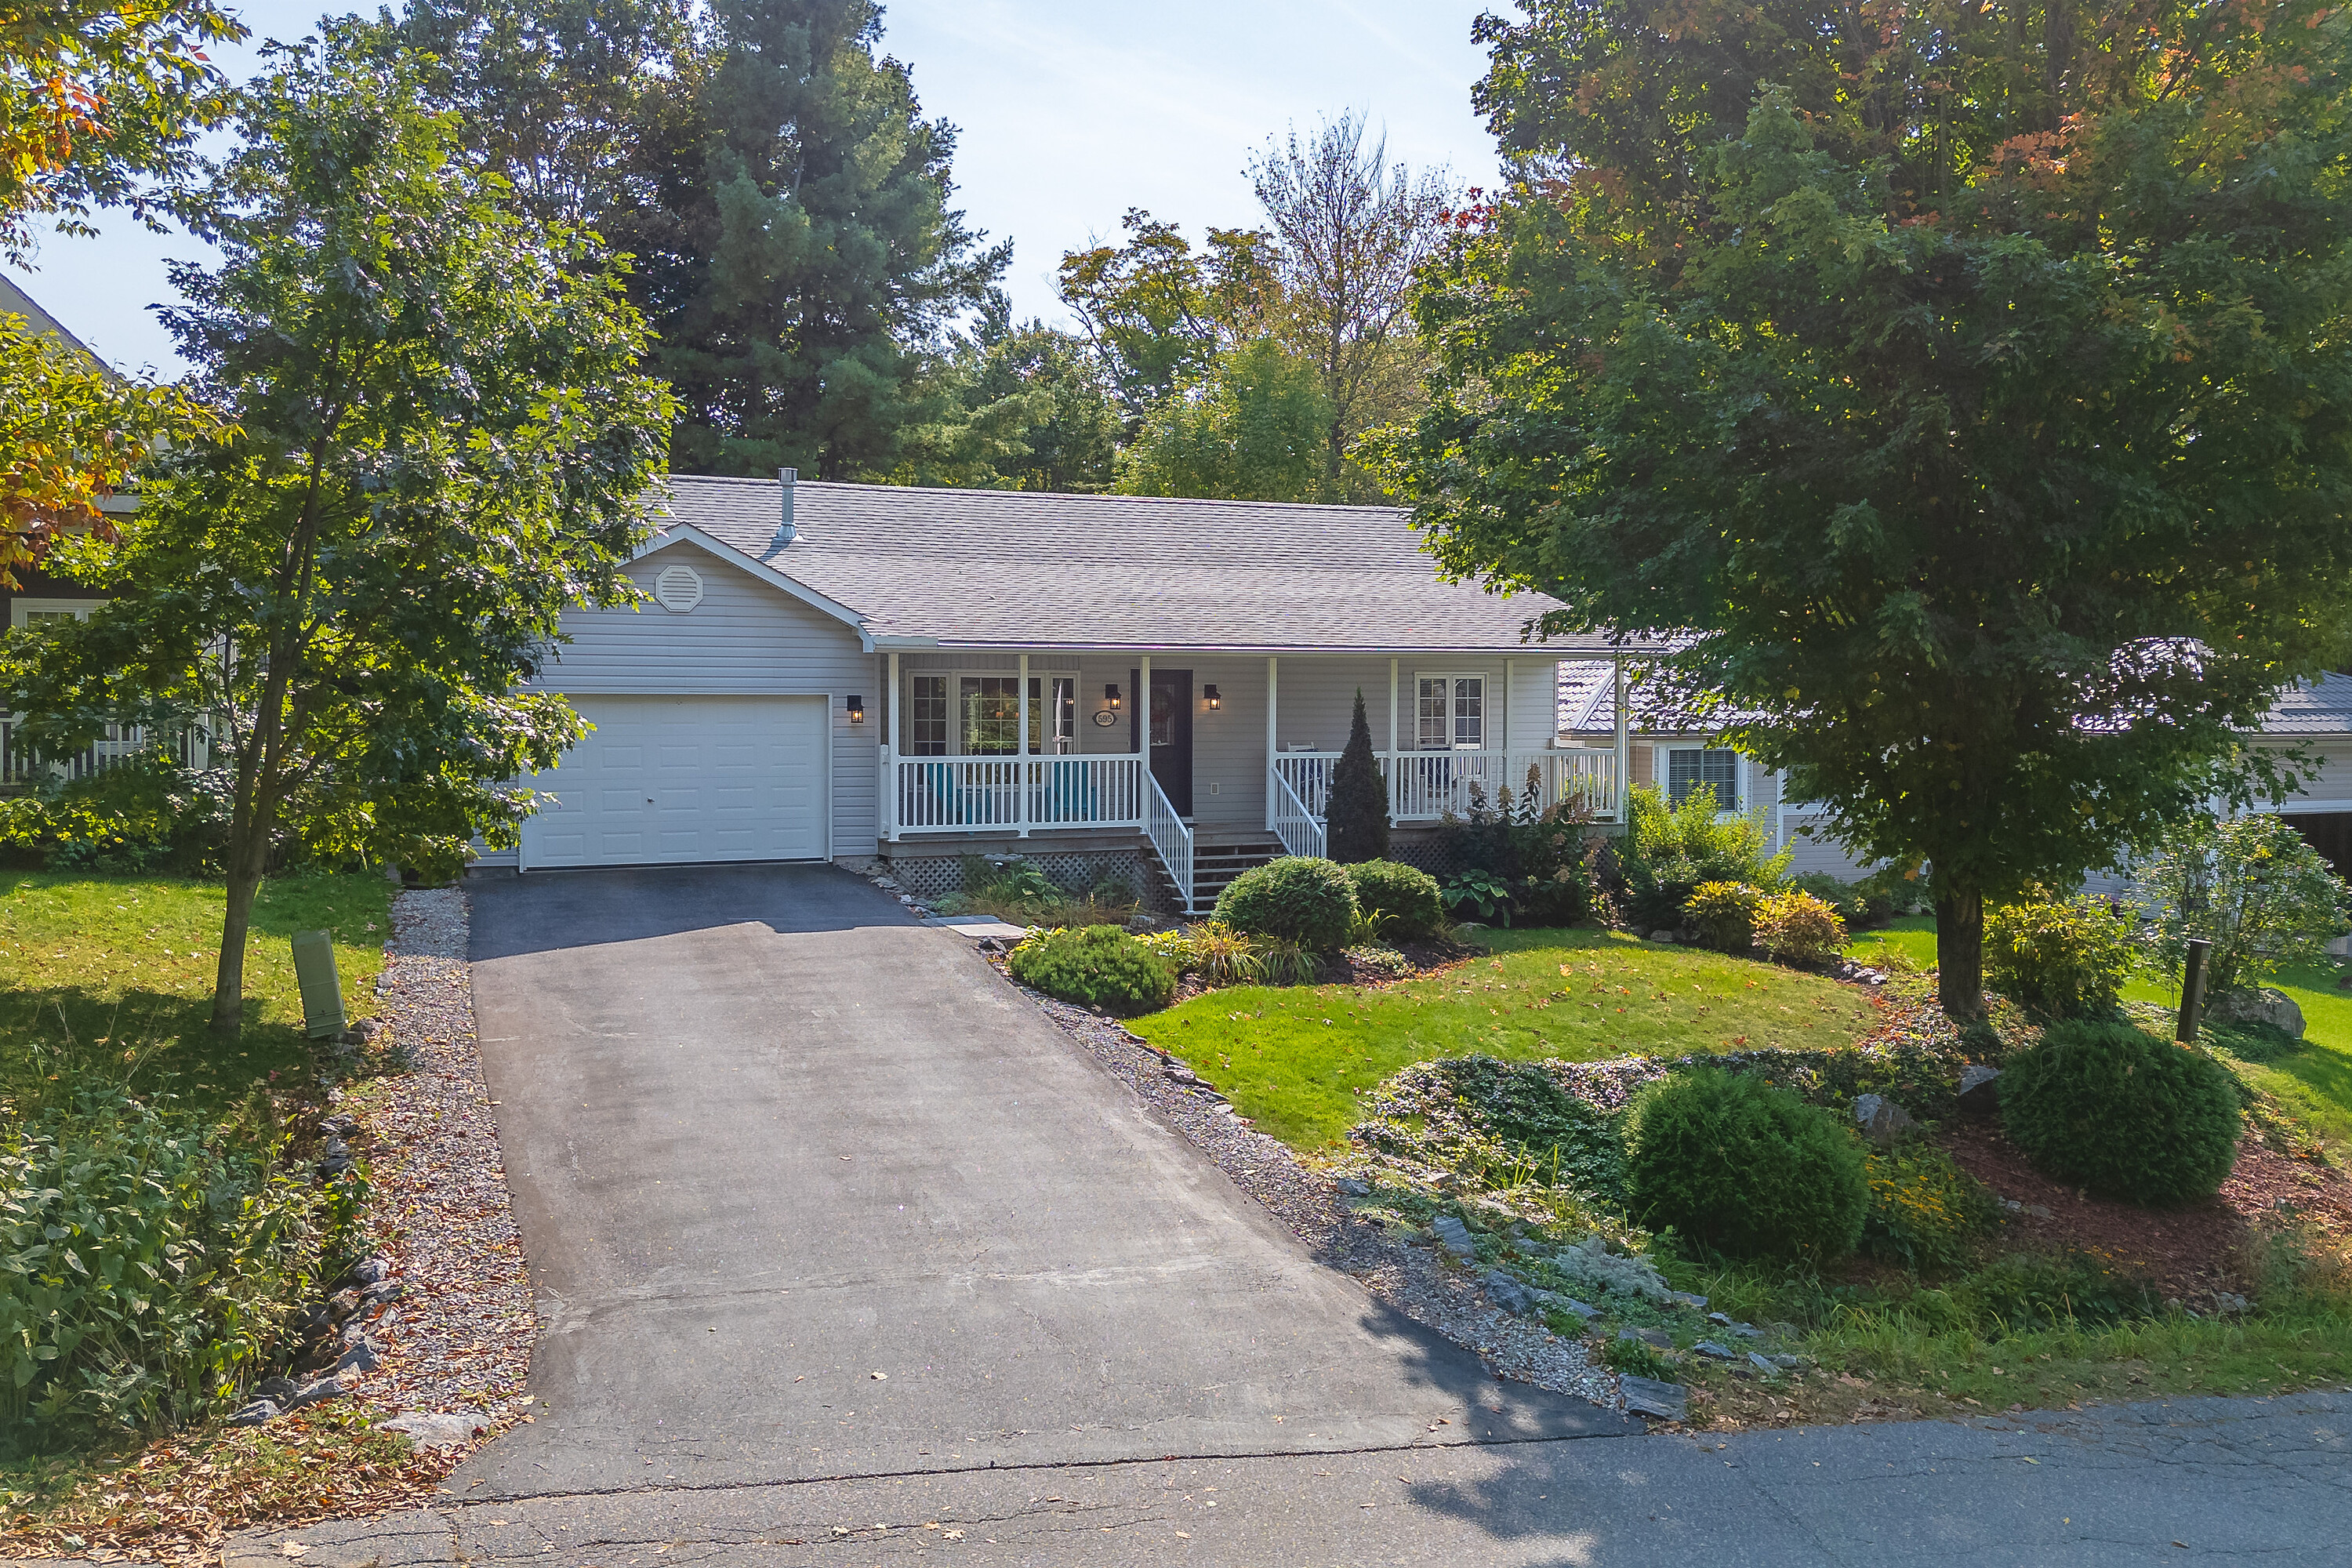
x=1095, y=966
x=1798, y=928
x=1744, y=1168
x=1294, y=898
x=2113, y=1108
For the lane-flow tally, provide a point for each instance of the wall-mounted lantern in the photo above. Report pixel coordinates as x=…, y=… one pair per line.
x=1215, y=701
x=1110, y=695
x=856, y=706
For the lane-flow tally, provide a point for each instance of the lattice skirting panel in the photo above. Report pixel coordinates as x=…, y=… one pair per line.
x=1076, y=871
x=1428, y=852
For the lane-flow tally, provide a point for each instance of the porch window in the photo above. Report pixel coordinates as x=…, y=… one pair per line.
x=927, y=716
x=1450, y=713
x=1695, y=768
x=990, y=719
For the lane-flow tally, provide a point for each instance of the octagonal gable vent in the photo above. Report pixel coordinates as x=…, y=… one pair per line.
x=678, y=588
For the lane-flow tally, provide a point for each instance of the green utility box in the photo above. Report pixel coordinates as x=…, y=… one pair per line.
x=322, y=990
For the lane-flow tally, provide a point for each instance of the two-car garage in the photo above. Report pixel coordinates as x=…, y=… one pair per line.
x=678, y=780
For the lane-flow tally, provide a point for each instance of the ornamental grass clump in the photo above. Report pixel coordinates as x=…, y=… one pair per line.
x=1294, y=898
x=2110, y=1107
x=1095, y=966
x=1403, y=900
x=2062, y=960
x=1744, y=1169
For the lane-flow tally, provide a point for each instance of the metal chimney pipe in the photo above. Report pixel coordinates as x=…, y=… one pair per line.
x=785, y=530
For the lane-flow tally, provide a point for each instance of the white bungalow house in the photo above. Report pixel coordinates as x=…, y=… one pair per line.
x=2316, y=717
x=1109, y=686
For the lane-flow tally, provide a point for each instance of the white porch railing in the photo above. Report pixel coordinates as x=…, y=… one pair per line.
x=1426, y=785
x=1300, y=830
x=192, y=747
x=1172, y=838
x=956, y=795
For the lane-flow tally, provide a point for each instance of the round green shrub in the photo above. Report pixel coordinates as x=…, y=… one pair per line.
x=2111, y=1108
x=1750, y=1170
x=1095, y=966
x=1722, y=915
x=1300, y=900
x=1407, y=895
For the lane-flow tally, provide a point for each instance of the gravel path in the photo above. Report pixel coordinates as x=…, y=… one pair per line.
x=459, y=1337
x=1418, y=1280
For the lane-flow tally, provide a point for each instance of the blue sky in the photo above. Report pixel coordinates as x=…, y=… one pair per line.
x=1070, y=113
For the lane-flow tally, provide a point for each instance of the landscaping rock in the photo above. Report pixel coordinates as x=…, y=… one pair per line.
x=312, y=1394
x=255, y=1414
x=1656, y=1339
x=2263, y=1005
x=1979, y=1094
x=1509, y=1294
x=1454, y=1235
x=367, y=1271
x=360, y=1357
x=1684, y=1298
x=1647, y=1396
x=1589, y=1263
x=1790, y=1362
x=1719, y=1351
x=1882, y=1120
x=1351, y=1187
x=432, y=1431
x=1762, y=1363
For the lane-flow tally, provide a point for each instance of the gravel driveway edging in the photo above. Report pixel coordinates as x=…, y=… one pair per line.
x=458, y=1341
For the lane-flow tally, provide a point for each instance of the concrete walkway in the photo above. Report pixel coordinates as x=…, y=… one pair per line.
x=807, y=1193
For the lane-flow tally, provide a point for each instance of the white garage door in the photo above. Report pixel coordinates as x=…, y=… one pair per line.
x=677, y=779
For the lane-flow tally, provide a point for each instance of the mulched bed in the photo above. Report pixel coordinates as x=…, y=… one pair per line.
x=2192, y=1254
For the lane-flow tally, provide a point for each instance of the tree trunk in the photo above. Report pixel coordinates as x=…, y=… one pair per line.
x=1960, y=950
x=228, y=978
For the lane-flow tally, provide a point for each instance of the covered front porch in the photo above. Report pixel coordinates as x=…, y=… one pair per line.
x=998, y=745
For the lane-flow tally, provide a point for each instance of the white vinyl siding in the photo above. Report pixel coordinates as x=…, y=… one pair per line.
x=746, y=638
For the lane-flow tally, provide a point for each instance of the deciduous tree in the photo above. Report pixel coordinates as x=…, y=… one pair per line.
x=1972, y=401
x=440, y=442
x=1250, y=428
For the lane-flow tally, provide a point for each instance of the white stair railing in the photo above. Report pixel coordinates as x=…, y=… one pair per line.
x=1301, y=832
x=1172, y=838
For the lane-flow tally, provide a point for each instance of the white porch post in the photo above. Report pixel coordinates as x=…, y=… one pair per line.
x=1021, y=767
x=1395, y=769
x=1143, y=712
x=1624, y=748
x=1271, y=746
x=1510, y=674
x=890, y=753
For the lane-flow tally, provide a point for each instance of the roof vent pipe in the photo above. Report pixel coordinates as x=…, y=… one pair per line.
x=785, y=530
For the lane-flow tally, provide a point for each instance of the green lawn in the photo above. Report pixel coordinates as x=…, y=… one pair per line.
x=117, y=967
x=1912, y=936
x=1294, y=1060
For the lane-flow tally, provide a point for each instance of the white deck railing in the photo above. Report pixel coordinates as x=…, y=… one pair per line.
x=192, y=748
x=957, y=794
x=1172, y=838
x=1300, y=830
x=1426, y=785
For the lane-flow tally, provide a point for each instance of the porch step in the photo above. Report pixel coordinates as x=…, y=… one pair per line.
x=1214, y=864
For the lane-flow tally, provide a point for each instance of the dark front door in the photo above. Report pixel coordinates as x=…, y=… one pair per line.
x=1171, y=733
x=2330, y=833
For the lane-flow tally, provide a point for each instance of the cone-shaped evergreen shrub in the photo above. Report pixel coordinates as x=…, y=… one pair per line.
x=2111, y=1108
x=1356, y=819
x=1748, y=1170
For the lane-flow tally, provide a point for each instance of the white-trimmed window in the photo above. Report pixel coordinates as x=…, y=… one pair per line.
x=26, y=612
x=1450, y=712
x=982, y=718
x=1687, y=769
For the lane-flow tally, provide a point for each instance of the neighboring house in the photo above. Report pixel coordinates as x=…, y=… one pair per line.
x=2316, y=717
x=849, y=673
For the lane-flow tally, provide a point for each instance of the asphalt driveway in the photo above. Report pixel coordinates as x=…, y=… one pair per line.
x=807, y=1192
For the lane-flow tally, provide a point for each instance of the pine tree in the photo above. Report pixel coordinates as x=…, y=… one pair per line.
x=1357, y=821
x=799, y=261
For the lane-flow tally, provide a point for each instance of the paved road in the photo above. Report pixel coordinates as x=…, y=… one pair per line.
x=769, y=1137
x=807, y=1192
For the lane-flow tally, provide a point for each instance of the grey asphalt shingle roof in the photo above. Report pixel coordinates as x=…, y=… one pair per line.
x=2323, y=707
x=993, y=568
